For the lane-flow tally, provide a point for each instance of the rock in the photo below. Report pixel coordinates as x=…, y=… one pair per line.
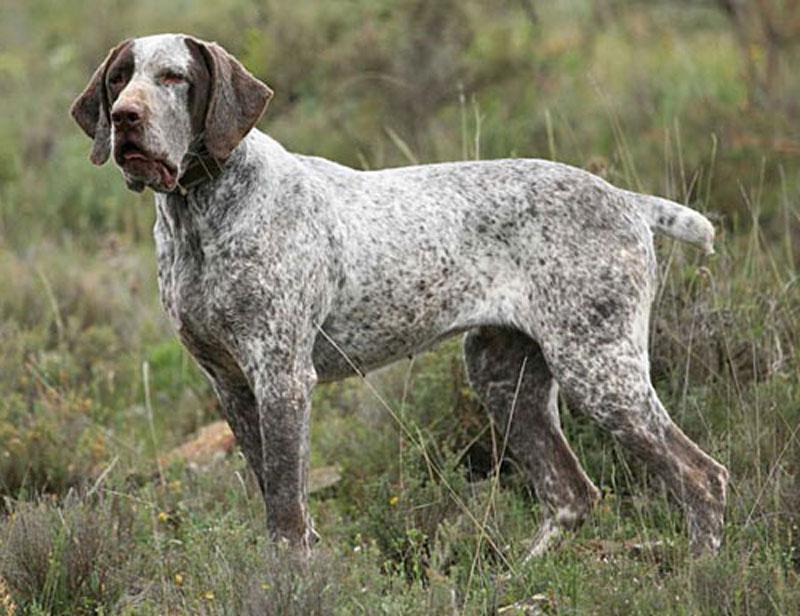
x=322, y=478
x=216, y=441
x=213, y=442
x=531, y=606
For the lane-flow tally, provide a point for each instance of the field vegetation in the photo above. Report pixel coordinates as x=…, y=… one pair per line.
x=697, y=101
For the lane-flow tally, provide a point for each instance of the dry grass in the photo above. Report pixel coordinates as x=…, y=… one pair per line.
x=72, y=558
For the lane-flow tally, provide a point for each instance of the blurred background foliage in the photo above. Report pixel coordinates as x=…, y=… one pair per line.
x=698, y=100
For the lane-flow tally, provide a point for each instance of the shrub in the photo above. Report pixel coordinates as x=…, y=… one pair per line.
x=67, y=558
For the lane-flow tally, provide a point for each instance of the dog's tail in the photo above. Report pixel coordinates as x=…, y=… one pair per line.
x=677, y=221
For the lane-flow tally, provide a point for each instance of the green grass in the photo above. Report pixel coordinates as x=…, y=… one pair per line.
x=94, y=387
x=409, y=529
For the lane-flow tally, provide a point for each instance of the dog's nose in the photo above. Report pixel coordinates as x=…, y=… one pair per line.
x=127, y=115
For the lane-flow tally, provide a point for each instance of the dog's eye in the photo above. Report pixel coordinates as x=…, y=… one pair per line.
x=171, y=79
x=117, y=79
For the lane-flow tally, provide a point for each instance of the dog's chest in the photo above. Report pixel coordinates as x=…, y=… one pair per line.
x=186, y=278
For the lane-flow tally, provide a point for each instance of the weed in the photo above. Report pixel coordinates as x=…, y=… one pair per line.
x=70, y=557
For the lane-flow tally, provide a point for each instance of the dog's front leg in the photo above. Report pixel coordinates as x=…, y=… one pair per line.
x=284, y=401
x=268, y=313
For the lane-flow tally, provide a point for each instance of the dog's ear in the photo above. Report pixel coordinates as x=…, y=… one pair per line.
x=90, y=109
x=236, y=100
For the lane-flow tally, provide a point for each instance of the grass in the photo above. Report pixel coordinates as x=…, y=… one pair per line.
x=426, y=518
x=419, y=522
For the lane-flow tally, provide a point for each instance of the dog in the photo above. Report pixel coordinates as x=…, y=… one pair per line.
x=280, y=270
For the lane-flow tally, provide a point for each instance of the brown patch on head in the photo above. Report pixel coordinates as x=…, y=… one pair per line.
x=91, y=109
x=119, y=73
x=235, y=102
x=200, y=80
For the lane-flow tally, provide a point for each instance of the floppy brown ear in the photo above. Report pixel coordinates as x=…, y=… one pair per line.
x=236, y=100
x=90, y=109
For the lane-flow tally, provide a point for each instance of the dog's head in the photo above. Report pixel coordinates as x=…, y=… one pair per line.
x=156, y=101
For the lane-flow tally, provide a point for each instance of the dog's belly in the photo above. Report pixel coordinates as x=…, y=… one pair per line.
x=340, y=354
x=367, y=334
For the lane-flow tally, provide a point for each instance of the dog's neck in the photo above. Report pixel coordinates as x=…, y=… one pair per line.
x=206, y=187
x=202, y=167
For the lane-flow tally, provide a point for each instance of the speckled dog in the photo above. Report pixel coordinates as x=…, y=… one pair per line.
x=280, y=270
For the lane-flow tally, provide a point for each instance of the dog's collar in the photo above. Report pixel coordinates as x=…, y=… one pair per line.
x=201, y=168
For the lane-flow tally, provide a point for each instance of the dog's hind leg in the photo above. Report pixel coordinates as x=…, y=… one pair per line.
x=610, y=383
x=508, y=371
